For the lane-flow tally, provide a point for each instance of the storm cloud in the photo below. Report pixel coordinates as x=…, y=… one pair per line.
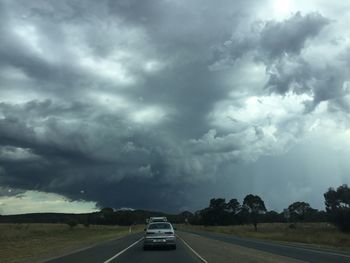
x=144, y=104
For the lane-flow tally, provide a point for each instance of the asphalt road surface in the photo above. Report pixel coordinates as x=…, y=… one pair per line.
x=182, y=254
x=110, y=252
x=99, y=253
x=299, y=253
x=196, y=247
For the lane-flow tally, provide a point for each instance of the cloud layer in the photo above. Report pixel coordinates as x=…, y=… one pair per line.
x=143, y=104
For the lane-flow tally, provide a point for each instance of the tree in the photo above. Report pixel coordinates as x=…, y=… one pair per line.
x=217, y=211
x=217, y=204
x=272, y=217
x=338, y=206
x=254, y=206
x=107, y=210
x=215, y=214
x=184, y=217
x=299, y=210
x=72, y=223
x=107, y=216
x=233, y=208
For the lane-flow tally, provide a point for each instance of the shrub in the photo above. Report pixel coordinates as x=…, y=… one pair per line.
x=72, y=223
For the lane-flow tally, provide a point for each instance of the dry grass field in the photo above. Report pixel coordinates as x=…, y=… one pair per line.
x=317, y=234
x=34, y=242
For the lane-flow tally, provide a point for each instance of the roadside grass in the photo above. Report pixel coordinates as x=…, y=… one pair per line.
x=34, y=242
x=322, y=235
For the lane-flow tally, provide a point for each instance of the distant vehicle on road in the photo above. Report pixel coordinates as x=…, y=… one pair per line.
x=159, y=234
x=156, y=219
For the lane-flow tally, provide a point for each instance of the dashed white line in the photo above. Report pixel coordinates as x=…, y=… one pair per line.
x=121, y=252
x=194, y=252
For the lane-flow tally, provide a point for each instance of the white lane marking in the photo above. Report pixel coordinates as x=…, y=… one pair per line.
x=121, y=252
x=194, y=252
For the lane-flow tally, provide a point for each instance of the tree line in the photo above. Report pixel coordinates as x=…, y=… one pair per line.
x=106, y=216
x=253, y=211
x=219, y=212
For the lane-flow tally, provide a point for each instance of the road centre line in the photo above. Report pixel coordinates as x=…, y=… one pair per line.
x=194, y=252
x=121, y=252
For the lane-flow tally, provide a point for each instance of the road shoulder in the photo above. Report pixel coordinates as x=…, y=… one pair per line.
x=219, y=251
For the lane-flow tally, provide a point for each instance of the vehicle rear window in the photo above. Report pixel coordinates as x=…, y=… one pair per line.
x=159, y=226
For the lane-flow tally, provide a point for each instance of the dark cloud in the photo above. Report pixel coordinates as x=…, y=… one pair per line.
x=7, y=191
x=290, y=36
x=271, y=39
x=136, y=104
x=281, y=46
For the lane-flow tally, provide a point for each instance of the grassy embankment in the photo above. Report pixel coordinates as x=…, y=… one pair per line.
x=322, y=235
x=33, y=242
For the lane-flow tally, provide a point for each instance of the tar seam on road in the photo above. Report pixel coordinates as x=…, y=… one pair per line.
x=121, y=252
x=194, y=252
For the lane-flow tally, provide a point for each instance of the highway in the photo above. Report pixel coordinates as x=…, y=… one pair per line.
x=197, y=247
x=110, y=252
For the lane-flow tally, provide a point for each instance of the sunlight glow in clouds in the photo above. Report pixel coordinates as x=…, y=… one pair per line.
x=148, y=115
x=258, y=110
x=41, y=202
x=9, y=153
x=282, y=8
x=107, y=68
x=29, y=36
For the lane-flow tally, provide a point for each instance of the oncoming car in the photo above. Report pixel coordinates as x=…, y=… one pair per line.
x=159, y=234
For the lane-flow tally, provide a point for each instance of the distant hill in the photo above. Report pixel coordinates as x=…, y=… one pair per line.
x=106, y=216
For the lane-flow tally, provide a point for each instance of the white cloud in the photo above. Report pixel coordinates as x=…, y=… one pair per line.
x=146, y=171
x=134, y=110
x=9, y=153
x=148, y=115
x=109, y=69
x=42, y=202
x=282, y=8
x=109, y=101
x=153, y=66
x=29, y=36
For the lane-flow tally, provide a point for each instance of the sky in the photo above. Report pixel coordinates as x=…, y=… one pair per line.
x=164, y=104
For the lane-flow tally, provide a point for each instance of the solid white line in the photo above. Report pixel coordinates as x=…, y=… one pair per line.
x=121, y=252
x=194, y=252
